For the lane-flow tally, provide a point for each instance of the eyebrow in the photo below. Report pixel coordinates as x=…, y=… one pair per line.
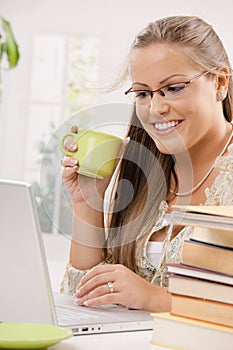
x=162, y=81
x=172, y=76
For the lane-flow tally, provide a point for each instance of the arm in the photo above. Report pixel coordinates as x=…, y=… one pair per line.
x=88, y=233
x=129, y=289
x=88, y=236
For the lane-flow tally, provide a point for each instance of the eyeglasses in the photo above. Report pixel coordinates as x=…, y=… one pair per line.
x=170, y=92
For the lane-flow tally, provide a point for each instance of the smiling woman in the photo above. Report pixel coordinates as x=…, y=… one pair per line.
x=180, y=128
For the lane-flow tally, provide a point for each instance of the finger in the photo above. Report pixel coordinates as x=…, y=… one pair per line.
x=69, y=162
x=69, y=171
x=108, y=268
x=71, y=146
x=125, y=142
x=94, y=283
x=122, y=150
x=74, y=129
x=112, y=298
x=96, y=293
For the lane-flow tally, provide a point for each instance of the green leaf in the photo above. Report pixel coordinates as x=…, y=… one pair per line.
x=1, y=50
x=10, y=46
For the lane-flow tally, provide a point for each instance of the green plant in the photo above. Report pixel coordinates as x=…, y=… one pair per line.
x=8, y=46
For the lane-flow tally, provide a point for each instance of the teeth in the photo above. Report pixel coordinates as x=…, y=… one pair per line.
x=165, y=126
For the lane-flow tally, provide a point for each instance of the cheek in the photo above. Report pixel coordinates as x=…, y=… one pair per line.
x=188, y=110
x=143, y=114
x=184, y=108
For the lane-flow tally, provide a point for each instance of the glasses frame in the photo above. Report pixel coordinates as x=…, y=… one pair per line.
x=159, y=90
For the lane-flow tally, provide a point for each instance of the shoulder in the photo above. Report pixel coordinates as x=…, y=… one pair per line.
x=224, y=164
x=221, y=192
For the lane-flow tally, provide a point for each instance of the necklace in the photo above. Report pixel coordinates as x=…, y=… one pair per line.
x=195, y=188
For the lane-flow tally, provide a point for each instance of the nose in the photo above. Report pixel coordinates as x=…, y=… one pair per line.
x=159, y=104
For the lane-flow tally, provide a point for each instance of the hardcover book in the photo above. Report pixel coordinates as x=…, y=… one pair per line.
x=202, y=310
x=216, y=236
x=203, y=215
x=190, y=271
x=214, y=258
x=188, y=334
x=198, y=288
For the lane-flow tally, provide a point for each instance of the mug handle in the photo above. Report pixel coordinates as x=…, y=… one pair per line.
x=62, y=147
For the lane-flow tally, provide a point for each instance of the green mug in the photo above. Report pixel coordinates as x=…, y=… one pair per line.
x=96, y=154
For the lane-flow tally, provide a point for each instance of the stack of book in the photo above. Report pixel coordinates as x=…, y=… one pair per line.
x=201, y=286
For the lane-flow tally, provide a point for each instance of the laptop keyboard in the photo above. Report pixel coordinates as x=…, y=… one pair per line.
x=70, y=316
x=86, y=320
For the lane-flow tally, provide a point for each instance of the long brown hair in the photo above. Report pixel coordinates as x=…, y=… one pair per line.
x=144, y=167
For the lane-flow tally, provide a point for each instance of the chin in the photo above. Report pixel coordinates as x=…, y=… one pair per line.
x=171, y=148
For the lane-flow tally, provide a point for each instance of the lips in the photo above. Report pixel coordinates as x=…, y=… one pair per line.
x=166, y=126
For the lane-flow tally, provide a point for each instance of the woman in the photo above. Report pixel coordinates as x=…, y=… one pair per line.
x=180, y=132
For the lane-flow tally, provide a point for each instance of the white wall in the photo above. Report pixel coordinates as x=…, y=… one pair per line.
x=115, y=22
x=57, y=253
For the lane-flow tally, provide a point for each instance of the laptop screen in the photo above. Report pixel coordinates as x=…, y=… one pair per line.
x=26, y=294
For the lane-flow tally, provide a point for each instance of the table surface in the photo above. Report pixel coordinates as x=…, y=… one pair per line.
x=140, y=340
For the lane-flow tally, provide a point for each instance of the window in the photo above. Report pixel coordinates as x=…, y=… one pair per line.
x=63, y=76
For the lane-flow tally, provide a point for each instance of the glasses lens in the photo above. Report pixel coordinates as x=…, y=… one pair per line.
x=174, y=90
x=131, y=96
x=140, y=97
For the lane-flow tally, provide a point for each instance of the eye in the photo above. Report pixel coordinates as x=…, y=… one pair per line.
x=142, y=94
x=175, y=88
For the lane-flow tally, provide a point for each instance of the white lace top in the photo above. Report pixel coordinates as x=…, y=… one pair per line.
x=220, y=193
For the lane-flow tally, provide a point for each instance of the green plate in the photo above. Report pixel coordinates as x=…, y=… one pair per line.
x=31, y=335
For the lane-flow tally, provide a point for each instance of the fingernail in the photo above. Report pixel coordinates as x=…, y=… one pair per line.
x=88, y=302
x=79, y=301
x=73, y=146
x=73, y=161
x=126, y=140
x=74, y=129
x=78, y=292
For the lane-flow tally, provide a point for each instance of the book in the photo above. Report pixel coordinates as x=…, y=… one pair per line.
x=198, y=288
x=185, y=270
x=186, y=334
x=217, y=259
x=202, y=310
x=203, y=215
x=216, y=210
x=216, y=236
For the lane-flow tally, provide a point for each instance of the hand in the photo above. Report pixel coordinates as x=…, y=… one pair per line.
x=129, y=289
x=83, y=188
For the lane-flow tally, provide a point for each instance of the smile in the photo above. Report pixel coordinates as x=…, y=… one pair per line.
x=166, y=126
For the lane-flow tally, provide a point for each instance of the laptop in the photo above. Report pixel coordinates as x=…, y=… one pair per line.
x=26, y=294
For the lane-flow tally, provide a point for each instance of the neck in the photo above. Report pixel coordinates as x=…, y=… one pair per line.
x=206, y=150
x=194, y=167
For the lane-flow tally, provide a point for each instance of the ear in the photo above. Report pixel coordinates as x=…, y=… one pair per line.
x=222, y=80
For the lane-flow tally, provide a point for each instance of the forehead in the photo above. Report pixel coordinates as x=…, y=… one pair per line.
x=157, y=61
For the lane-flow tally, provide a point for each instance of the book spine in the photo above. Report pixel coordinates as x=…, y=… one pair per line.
x=206, y=256
x=203, y=310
